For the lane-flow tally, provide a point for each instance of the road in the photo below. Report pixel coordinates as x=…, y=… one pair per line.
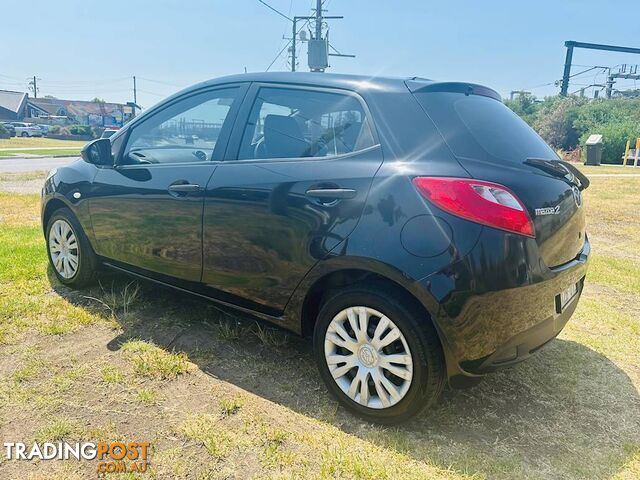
x=9, y=165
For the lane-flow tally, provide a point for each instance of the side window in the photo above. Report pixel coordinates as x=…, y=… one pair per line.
x=293, y=123
x=187, y=131
x=116, y=144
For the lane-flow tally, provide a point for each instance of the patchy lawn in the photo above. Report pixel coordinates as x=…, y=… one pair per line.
x=44, y=152
x=219, y=396
x=39, y=142
x=50, y=147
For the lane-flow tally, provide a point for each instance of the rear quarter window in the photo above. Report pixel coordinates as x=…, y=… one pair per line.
x=480, y=127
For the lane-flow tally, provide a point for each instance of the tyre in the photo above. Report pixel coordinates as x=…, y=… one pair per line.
x=72, y=258
x=379, y=357
x=24, y=134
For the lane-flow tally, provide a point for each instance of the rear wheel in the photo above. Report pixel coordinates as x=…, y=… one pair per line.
x=74, y=262
x=24, y=134
x=380, y=358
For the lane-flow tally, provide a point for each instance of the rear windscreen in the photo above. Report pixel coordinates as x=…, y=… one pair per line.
x=482, y=128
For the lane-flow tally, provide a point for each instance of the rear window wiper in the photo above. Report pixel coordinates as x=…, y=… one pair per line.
x=560, y=169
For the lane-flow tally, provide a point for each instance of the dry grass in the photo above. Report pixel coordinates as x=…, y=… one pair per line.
x=221, y=397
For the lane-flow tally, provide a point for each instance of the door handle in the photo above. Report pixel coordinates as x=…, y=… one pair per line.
x=331, y=193
x=184, y=188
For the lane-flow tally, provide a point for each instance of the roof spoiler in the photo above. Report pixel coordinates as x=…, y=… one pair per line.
x=422, y=86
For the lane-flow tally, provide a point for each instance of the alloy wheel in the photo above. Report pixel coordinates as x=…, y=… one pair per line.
x=63, y=247
x=368, y=357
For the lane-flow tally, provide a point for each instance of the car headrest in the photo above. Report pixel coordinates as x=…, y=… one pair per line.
x=283, y=137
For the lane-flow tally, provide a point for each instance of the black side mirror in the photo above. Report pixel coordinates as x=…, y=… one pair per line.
x=98, y=152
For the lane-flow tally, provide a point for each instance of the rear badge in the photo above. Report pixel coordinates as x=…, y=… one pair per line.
x=577, y=196
x=548, y=211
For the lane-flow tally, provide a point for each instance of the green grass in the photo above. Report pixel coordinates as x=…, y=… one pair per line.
x=111, y=374
x=59, y=429
x=112, y=361
x=44, y=152
x=22, y=176
x=230, y=406
x=616, y=272
x=38, y=142
x=204, y=429
x=152, y=361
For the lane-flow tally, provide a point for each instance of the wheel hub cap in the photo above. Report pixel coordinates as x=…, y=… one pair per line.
x=63, y=247
x=368, y=357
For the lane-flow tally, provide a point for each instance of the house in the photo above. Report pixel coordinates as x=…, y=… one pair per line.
x=100, y=114
x=12, y=105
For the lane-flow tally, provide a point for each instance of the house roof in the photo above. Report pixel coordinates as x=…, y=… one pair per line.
x=12, y=100
x=45, y=107
x=54, y=106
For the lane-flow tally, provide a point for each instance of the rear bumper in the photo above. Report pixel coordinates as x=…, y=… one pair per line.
x=500, y=304
x=521, y=346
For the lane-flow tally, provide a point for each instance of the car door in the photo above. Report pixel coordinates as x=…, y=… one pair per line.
x=292, y=187
x=146, y=211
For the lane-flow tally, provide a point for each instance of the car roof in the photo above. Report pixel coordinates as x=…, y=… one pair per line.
x=332, y=80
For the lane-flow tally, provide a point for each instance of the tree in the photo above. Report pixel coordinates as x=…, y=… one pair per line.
x=98, y=100
x=555, y=121
x=525, y=106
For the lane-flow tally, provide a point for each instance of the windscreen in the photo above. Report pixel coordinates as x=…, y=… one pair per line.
x=482, y=128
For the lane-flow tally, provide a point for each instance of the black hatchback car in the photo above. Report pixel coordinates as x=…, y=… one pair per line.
x=418, y=231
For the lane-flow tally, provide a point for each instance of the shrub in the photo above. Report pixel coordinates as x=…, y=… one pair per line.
x=3, y=130
x=59, y=130
x=615, y=136
x=555, y=121
x=566, y=122
x=80, y=130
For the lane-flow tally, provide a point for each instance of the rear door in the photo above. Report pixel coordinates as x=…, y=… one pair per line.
x=492, y=143
x=293, y=186
x=146, y=211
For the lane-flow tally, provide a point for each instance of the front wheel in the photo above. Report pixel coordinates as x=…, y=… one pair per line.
x=72, y=258
x=24, y=134
x=380, y=357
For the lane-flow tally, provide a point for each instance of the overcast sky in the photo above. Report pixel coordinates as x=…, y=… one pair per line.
x=81, y=49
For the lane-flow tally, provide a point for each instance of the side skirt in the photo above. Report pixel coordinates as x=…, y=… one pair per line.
x=276, y=320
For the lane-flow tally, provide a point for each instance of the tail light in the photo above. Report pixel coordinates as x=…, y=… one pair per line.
x=478, y=201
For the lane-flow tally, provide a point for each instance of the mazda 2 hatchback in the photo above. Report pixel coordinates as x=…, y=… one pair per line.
x=418, y=231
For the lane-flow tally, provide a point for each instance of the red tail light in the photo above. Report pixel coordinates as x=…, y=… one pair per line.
x=482, y=202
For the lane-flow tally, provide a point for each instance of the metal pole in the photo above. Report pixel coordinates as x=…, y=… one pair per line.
x=135, y=96
x=564, y=89
x=293, y=46
x=318, y=19
x=610, y=83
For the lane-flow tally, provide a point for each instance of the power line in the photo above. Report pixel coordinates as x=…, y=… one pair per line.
x=161, y=82
x=278, y=55
x=273, y=9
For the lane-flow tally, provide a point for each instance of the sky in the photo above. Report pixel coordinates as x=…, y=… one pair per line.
x=81, y=49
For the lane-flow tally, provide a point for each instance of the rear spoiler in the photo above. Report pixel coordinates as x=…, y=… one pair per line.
x=424, y=86
x=560, y=169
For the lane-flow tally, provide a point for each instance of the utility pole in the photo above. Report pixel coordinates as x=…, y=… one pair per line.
x=318, y=47
x=566, y=75
x=318, y=19
x=294, y=39
x=294, y=34
x=135, y=96
x=33, y=86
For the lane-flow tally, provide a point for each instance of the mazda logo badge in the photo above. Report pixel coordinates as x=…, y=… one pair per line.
x=577, y=196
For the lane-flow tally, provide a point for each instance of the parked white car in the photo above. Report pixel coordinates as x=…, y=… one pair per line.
x=27, y=129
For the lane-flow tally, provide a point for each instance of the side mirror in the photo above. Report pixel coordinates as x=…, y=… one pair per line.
x=98, y=152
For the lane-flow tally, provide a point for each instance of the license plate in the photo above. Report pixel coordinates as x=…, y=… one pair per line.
x=567, y=295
